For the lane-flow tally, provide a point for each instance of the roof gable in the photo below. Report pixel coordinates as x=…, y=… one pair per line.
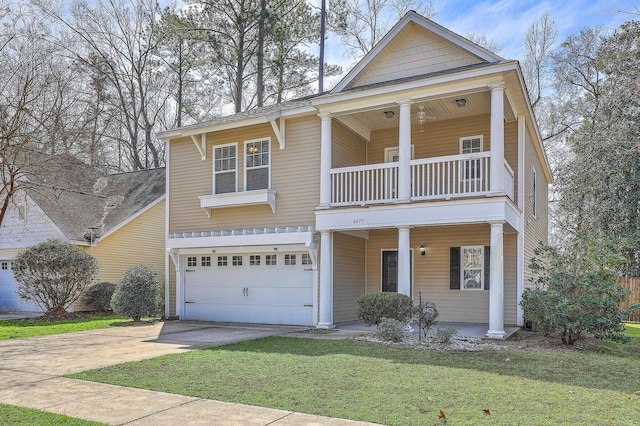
x=414, y=46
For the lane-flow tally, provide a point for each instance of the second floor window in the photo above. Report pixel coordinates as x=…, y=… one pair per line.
x=257, y=164
x=225, y=165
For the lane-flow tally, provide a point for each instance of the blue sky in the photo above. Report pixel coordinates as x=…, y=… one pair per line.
x=506, y=21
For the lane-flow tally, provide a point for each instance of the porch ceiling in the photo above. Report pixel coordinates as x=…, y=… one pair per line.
x=436, y=109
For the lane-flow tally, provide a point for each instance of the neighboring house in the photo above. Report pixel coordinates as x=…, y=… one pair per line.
x=421, y=172
x=118, y=218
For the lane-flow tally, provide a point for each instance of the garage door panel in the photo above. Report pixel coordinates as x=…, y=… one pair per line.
x=269, y=294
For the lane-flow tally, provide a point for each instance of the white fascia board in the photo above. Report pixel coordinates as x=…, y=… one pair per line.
x=130, y=219
x=428, y=25
x=268, y=239
x=274, y=248
x=459, y=212
x=429, y=86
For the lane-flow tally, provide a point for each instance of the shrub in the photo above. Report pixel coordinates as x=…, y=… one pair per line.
x=52, y=274
x=574, y=301
x=98, y=296
x=136, y=294
x=445, y=334
x=390, y=330
x=375, y=306
x=426, y=316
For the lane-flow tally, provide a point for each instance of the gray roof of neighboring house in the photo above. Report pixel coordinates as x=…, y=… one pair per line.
x=76, y=197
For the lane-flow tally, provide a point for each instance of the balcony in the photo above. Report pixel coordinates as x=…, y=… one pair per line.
x=438, y=178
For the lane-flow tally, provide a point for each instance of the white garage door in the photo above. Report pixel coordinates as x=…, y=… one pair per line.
x=252, y=288
x=9, y=300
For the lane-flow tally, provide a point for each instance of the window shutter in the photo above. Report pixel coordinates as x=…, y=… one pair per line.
x=487, y=266
x=454, y=268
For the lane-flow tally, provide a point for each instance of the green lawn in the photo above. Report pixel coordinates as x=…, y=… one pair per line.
x=11, y=329
x=396, y=386
x=16, y=416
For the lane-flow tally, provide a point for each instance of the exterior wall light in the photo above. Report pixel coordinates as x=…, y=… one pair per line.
x=423, y=250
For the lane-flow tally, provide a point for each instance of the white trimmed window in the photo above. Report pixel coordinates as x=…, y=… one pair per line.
x=236, y=260
x=289, y=259
x=471, y=145
x=257, y=154
x=271, y=260
x=305, y=259
x=205, y=261
x=254, y=260
x=225, y=168
x=222, y=260
x=192, y=261
x=472, y=268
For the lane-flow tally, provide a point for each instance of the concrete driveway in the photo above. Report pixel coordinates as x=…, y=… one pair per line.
x=30, y=370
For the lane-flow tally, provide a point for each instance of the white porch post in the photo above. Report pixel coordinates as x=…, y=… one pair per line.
x=325, y=160
x=497, y=138
x=180, y=287
x=404, y=152
x=404, y=260
x=496, y=280
x=520, y=252
x=326, y=280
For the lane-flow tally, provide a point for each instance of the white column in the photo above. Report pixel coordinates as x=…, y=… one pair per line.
x=404, y=260
x=497, y=138
x=325, y=160
x=326, y=280
x=180, y=287
x=520, y=251
x=496, y=280
x=404, y=152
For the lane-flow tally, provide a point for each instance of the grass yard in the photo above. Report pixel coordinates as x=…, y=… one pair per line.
x=11, y=329
x=17, y=416
x=403, y=386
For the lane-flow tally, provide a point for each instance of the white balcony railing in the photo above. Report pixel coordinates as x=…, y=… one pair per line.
x=431, y=178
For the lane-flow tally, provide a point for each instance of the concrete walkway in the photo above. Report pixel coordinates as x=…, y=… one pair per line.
x=30, y=371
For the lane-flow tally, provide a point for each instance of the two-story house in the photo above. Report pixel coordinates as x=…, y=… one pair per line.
x=421, y=172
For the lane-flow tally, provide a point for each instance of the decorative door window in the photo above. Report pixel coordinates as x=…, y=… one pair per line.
x=472, y=268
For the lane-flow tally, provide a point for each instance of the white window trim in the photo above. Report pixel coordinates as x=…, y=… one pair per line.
x=389, y=150
x=244, y=154
x=215, y=147
x=534, y=193
x=462, y=287
x=464, y=138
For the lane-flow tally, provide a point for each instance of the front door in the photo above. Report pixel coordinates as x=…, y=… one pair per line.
x=390, y=270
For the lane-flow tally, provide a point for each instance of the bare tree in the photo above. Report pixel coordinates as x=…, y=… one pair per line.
x=538, y=47
x=362, y=23
x=482, y=40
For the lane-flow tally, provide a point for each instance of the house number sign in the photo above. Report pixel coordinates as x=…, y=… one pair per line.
x=358, y=221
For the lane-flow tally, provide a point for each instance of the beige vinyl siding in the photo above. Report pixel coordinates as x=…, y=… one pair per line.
x=348, y=275
x=295, y=175
x=347, y=148
x=139, y=242
x=535, y=227
x=413, y=52
x=511, y=153
x=431, y=272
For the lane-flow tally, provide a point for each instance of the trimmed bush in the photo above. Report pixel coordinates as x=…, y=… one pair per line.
x=372, y=308
x=98, y=296
x=136, y=294
x=53, y=274
x=444, y=335
x=390, y=330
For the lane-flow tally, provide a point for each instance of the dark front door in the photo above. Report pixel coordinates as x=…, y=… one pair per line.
x=390, y=270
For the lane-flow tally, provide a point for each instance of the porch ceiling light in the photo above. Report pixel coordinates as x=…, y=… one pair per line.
x=423, y=250
x=462, y=102
x=389, y=114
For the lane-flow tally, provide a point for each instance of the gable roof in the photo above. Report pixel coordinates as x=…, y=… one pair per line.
x=411, y=18
x=77, y=198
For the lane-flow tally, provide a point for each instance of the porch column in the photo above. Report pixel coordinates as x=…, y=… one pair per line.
x=326, y=280
x=404, y=152
x=404, y=260
x=496, y=280
x=325, y=160
x=496, y=176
